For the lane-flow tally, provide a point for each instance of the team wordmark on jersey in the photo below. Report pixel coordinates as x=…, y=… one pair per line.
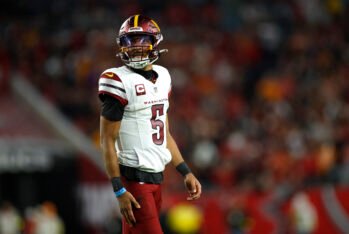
x=140, y=89
x=156, y=101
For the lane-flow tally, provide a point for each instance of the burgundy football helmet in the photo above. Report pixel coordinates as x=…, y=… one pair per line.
x=138, y=40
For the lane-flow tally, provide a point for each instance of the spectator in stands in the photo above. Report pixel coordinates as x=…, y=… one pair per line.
x=10, y=219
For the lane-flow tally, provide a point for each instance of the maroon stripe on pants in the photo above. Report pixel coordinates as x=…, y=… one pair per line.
x=147, y=217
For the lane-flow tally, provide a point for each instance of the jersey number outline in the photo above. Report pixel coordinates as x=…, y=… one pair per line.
x=157, y=124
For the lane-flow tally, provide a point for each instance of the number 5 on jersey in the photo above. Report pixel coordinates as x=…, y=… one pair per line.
x=157, y=124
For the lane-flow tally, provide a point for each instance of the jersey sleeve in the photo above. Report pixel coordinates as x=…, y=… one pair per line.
x=110, y=84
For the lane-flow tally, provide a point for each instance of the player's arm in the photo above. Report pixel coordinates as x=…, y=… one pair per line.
x=191, y=182
x=109, y=130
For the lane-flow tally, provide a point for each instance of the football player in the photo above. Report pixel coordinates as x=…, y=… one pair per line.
x=134, y=127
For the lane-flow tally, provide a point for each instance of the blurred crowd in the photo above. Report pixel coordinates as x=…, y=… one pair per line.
x=260, y=87
x=42, y=219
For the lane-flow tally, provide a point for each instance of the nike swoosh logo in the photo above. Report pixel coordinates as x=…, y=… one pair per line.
x=109, y=74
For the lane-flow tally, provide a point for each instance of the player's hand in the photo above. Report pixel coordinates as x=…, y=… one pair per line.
x=126, y=202
x=193, y=186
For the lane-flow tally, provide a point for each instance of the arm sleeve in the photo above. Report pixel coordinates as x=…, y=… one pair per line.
x=112, y=108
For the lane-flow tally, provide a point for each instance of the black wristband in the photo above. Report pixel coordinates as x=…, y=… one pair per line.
x=117, y=184
x=183, y=169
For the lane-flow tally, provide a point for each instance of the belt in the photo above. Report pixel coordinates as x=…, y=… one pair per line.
x=134, y=174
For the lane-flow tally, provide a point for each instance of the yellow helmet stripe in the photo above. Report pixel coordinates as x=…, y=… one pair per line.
x=156, y=25
x=136, y=21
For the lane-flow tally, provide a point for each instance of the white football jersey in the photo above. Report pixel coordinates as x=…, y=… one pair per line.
x=142, y=137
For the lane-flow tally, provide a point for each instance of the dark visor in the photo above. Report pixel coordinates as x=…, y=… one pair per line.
x=129, y=40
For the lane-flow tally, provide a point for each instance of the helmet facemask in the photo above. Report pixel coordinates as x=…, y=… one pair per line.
x=137, y=50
